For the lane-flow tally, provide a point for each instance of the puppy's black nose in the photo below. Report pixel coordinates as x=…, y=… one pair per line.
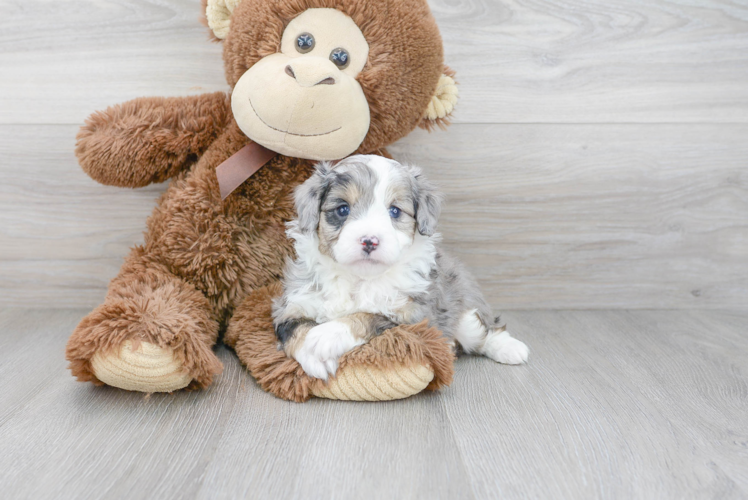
x=369, y=243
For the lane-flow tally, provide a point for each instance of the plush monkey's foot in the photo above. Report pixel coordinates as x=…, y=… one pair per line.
x=140, y=366
x=133, y=347
x=154, y=333
x=370, y=383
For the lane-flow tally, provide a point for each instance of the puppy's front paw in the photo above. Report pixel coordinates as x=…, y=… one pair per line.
x=322, y=347
x=502, y=347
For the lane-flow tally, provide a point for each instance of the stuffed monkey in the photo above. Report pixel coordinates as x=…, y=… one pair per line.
x=310, y=80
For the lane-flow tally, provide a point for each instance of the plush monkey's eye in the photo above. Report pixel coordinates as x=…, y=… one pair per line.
x=305, y=43
x=340, y=57
x=343, y=210
x=395, y=212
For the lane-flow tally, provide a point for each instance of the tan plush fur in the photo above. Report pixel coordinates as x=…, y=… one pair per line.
x=203, y=257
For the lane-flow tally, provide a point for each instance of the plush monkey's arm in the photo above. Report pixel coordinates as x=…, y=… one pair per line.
x=150, y=139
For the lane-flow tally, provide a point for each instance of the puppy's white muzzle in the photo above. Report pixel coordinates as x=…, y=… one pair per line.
x=371, y=244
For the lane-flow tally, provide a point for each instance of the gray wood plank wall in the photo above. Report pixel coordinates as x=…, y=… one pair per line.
x=598, y=157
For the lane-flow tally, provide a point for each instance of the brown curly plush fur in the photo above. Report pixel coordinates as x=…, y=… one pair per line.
x=203, y=256
x=250, y=333
x=147, y=303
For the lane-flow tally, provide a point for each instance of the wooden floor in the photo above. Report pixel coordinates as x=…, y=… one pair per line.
x=613, y=404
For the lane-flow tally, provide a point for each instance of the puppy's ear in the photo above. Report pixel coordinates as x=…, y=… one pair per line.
x=427, y=202
x=308, y=197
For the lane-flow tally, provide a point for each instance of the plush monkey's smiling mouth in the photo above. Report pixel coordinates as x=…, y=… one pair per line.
x=286, y=131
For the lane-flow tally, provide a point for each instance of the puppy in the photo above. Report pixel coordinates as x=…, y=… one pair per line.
x=367, y=259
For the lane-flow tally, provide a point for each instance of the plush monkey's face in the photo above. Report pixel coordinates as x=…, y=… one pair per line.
x=323, y=79
x=304, y=101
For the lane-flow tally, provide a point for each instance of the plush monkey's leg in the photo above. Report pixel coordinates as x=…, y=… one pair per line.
x=400, y=362
x=153, y=333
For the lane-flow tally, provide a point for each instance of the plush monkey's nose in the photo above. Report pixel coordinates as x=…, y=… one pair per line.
x=369, y=243
x=309, y=71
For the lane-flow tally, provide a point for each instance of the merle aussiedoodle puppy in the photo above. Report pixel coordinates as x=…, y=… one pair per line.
x=368, y=259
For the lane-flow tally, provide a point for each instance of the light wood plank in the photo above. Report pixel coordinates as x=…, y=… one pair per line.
x=333, y=449
x=60, y=61
x=73, y=440
x=63, y=235
x=29, y=341
x=702, y=388
x=517, y=62
x=613, y=404
x=597, y=61
x=230, y=441
x=583, y=216
x=554, y=216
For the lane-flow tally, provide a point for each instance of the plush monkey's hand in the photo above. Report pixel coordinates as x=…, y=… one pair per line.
x=150, y=139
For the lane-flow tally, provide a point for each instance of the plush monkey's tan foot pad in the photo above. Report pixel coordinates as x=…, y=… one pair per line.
x=368, y=383
x=147, y=368
x=400, y=362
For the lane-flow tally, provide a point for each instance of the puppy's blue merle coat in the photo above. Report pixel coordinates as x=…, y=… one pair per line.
x=368, y=259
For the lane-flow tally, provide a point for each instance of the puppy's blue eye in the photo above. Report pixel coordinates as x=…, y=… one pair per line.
x=343, y=210
x=394, y=212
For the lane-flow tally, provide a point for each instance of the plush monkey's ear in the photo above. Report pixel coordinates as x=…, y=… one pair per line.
x=442, y=102
x=218, y=14
x=308, y=197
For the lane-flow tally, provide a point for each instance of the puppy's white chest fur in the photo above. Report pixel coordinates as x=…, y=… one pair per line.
x=343, y=295
x=328, y=291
